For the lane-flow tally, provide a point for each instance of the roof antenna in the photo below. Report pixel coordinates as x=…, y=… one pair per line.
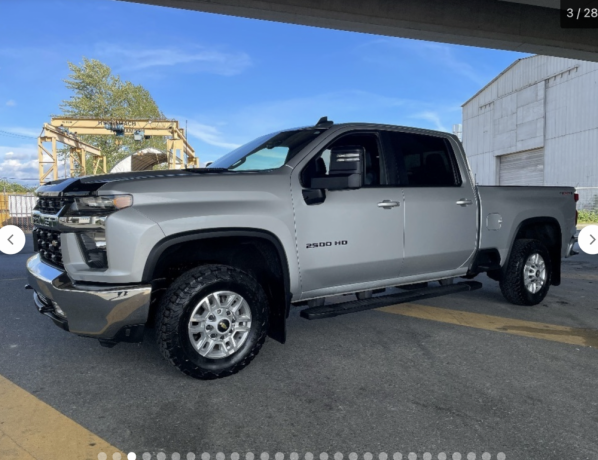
x=324, y=123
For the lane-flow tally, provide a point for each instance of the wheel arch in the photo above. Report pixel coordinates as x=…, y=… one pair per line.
x=548, y=231
x=257, y=251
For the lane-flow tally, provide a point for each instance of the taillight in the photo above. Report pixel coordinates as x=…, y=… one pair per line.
x=576, y=197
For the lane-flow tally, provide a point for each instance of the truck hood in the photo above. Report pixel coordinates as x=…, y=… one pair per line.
x=88, y=184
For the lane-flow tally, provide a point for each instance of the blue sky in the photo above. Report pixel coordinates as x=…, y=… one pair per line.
x=231, y=79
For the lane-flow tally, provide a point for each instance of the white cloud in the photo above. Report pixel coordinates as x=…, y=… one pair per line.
x=19, y=163
x=210, y=135
x=433, y=118
x=11, y=103
x=194, y=60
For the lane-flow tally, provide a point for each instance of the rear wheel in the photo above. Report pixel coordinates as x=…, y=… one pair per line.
x=528, y=274
x=212, y=321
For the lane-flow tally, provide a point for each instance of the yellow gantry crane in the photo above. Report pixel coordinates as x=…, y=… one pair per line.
x=67, y=130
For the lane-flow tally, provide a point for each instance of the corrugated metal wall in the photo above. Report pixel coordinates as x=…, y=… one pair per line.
x=522, y=168
x=539, y=102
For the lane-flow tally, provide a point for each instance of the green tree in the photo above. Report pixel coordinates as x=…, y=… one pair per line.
x=14, y=187
x=97, y=93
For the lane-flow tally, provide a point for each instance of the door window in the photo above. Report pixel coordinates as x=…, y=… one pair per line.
x=421, y=161
x=320, y=164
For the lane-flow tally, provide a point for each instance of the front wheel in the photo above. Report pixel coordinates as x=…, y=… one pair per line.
x=528, y=274
x=212, y=321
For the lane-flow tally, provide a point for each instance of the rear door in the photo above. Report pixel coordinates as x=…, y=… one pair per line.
x=440, y=212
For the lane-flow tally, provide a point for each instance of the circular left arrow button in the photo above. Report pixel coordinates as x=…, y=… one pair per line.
x=12, y=239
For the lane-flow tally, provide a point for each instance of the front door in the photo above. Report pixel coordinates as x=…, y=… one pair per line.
x=354, y=237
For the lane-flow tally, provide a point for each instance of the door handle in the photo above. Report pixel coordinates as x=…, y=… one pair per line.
x=464, y=202
x=386, y=204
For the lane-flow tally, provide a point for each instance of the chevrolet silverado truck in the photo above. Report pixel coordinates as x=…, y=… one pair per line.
x=213, y=258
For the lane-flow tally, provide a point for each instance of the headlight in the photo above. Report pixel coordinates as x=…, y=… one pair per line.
x=87, y=216
x=93, y=245
x=98, y=205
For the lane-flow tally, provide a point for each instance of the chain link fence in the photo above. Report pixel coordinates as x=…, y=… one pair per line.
x=15, y=209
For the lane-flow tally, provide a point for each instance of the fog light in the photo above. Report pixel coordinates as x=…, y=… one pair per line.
x=94, y=248
x=58, y=310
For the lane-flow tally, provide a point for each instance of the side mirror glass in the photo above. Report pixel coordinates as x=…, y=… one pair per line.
x=346, y=169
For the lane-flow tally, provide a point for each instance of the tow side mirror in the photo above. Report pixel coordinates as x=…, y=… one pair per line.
x=346, y=169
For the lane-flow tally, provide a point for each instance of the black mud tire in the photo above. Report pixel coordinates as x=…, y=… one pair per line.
x=512, y=283
x=177, y=305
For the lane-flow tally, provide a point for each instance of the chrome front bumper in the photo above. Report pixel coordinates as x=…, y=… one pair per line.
x=109, y=313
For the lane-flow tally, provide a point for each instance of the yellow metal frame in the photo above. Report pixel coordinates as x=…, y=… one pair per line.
x=78, y=151
x=66, y=130
x=4, y=211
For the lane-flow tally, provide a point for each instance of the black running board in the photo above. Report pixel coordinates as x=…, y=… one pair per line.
x=329, y=311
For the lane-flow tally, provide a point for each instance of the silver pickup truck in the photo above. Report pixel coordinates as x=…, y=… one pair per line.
x=215, y=257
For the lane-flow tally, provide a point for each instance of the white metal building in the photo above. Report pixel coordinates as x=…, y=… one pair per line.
x=537, y=124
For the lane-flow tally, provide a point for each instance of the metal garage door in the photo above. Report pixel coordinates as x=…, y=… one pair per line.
x=523, y=168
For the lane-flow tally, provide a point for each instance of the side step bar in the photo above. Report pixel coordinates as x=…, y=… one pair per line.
x=329, y=311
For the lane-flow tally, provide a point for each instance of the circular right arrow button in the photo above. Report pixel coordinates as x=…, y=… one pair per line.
x=588, y=239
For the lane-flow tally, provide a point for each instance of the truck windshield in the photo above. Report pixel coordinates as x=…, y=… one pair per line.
x=267, y=152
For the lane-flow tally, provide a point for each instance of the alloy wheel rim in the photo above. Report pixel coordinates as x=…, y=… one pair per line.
x=534, y=273
x=219, y=324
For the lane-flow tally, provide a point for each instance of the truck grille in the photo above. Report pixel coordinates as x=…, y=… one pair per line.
x=47, y=243
x=52, y=204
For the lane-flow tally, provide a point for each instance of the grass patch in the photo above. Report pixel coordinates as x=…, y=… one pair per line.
x=587, y=217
